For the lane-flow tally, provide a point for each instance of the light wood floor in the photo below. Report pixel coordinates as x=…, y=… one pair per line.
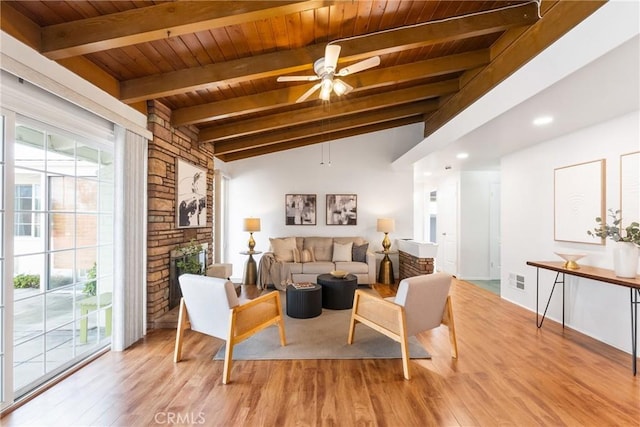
x=508, y=373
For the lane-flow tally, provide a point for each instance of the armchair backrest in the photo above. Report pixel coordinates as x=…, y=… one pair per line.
x=424, y=298
x=208, y=301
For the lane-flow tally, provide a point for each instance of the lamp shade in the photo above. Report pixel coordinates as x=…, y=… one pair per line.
x=251, y=224
x=386, y=225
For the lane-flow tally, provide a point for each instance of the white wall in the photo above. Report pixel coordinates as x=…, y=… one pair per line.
x=360, y=165
x=596, y=309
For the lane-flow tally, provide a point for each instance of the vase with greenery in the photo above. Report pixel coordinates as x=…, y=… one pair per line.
x=190, y=259
x=625, y=253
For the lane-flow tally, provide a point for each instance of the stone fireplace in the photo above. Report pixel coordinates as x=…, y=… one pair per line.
x=163, y=234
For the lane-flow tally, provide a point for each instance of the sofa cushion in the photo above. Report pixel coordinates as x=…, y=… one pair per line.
x=322, y=247
x=294, y=267
x=353, y=267
x=354, y=240
x=318, y=267
x=307, y=256
x=342, y=252
x=283, y=248
x=359, y=252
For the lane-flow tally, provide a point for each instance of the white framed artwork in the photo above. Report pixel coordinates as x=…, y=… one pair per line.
x=630, y=188
x=191, y=195
x=579, y=195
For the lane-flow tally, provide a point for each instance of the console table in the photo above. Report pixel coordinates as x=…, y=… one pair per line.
x=600, y=275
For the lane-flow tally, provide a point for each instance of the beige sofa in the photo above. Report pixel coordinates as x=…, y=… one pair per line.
x=302, y=259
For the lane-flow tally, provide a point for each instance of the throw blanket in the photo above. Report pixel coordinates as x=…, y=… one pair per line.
x=267, y=274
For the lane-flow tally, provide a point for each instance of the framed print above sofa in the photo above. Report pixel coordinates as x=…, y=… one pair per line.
x=300, y=209
x=342, y=209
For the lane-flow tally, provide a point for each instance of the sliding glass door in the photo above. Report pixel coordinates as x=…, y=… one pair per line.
x=61, y=264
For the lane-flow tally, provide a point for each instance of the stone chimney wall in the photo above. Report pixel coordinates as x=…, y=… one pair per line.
x=170, y=143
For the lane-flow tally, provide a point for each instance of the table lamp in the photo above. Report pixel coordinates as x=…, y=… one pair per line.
x=251, y=225
x=386, y=225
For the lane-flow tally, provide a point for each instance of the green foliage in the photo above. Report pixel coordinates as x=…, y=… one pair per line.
x=22, y=281
x=630, y=233
x=90, y=286
x=190, y=261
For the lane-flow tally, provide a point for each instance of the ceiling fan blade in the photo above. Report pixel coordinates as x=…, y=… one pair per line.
x=360, y=66
x=308, y=93
x=331, y=53
x=297, y=78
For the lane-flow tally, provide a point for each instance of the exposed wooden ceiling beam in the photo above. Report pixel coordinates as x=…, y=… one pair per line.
x=334, y=109
x=278, y=63
x=322, y=127
x=158, y=22
x=330, y=136
x=361, y=81
x=28, y=32
x=19, y=26
x=560, y=18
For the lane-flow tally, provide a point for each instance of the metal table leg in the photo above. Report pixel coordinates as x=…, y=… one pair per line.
x=634, y=327
x=556, y=282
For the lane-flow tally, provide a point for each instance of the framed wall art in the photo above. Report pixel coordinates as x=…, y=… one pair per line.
x=342, y=209
x=191, y=195
x=579, y=194
x=300, y=209
x=630, y=188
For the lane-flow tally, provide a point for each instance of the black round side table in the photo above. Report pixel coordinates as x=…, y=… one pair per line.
x=337, y=294
x=304, y=303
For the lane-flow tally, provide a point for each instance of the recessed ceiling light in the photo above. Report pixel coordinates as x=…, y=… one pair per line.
x=462, y=155
x=542, y=120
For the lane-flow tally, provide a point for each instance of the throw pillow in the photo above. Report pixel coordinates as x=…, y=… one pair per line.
x=342, y=252
x=359, y=253
x=306, y=256
x=283, y=248
x=296, y=255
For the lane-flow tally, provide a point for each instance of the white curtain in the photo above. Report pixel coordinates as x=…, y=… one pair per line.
x=129, y=304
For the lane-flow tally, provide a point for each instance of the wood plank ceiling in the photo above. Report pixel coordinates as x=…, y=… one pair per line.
x=215, y=64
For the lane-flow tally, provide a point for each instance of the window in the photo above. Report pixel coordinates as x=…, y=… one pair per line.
x=26, y=201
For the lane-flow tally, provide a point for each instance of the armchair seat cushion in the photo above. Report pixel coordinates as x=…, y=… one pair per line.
x=318, y=267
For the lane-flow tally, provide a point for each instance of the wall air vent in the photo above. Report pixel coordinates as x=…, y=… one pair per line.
x=516, y=281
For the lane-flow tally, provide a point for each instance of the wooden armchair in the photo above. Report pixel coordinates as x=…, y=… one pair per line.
x=210, y=305
x=421, y=303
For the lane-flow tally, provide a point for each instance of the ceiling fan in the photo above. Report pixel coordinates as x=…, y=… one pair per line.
x=326, y=72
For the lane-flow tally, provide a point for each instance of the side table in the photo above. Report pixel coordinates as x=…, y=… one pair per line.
x=385, y=274
x=250, y=268
x=337, y=294
x=304, y=303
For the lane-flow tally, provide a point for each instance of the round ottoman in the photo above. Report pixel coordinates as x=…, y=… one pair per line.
x=304, y=303
x=337, y=294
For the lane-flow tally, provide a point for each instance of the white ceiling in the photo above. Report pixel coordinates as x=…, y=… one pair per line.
x=596, y=87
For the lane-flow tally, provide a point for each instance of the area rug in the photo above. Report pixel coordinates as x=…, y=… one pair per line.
x=322, y=337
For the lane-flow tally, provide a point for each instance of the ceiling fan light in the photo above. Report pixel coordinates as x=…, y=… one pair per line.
x=325, y=94
x=339, y=88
